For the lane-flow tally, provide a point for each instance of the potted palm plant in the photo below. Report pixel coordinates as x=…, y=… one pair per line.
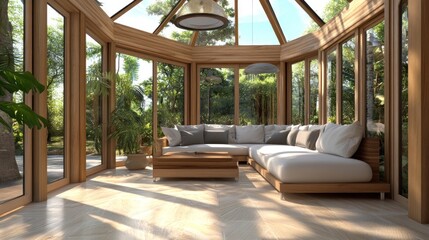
x=128, y=128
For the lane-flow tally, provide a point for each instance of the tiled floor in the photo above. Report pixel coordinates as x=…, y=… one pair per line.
x=122, y=204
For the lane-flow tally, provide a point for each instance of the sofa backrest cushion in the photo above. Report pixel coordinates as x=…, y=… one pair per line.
x=291, y=137
x=307, y=139
x=191, y=137
x=230, y=128
x=173, y=136
x=341, y=140
x=250, y=134
x=278, y=137
x=271, y=129
x=199, y=127
x=216, y=136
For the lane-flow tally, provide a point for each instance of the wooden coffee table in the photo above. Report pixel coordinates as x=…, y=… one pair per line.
x=195, y=165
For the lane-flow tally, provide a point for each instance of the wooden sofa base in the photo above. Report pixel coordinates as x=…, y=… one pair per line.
x=370, y=187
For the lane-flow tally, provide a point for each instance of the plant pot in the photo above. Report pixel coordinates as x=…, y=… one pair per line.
x=146, y=150
x=136, y=161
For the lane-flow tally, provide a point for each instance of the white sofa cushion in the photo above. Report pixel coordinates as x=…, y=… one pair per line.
x=250, y=134
x=231, y=149
x=341, y=140
x=315, y=167
x=173, y=136
x=261, y=152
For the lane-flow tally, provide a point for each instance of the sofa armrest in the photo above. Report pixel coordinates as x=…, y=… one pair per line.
x=159, y=144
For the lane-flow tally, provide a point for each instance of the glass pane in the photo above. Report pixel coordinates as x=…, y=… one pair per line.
x=149, y=12
x=403, y=173
x=258, y=98
x=134, y=107
x=375, y=86
x=110, y=7
x=12, y=142
x=332, y=87
x=314, y=91
x=217, y=95
x=171, y=96
x=348, y=85
x=298, y=93
x=56, y=99
x=224, y=36
x=294, y=21
x=253, y=25
x=327, y=9
x=172, y=32
x=95, y=88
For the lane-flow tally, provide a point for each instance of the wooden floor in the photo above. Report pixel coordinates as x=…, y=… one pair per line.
x=122, y=204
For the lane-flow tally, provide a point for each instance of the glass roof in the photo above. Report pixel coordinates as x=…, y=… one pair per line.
x=254, y=28
x=287, y=12
x=113, y=6
x=253, y=25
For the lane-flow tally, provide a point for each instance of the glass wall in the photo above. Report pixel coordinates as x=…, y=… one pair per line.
x=314, y=91
x=170, y=95
x=348, y=84
x=374, y=81
x=332, y=87
x=298, y=93
x=258, y=98
x=55, y=95
x=403, y=171
x=12, y=142
x=217, y=95
x=134, y=97
x=96, y=87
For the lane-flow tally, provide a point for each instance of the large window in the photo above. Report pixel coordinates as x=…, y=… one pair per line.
x=403, y=165
x=258, y=98
x=298, y=89
x=217, y=95
x=12, y=161
x=96, y=87
x=375, y=92
x=314, y=92
x=56, y=96
x=332, y=87
x=348, y=81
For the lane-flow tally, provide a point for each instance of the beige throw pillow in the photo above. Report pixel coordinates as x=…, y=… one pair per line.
x=307, y=139
x=341, y=140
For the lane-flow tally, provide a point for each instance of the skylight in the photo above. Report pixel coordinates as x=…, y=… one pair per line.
x=294, y=21
x=110, y=7
x=319, y=6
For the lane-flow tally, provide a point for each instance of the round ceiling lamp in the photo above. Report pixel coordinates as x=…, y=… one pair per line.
x=258, y=68
x=200, y=15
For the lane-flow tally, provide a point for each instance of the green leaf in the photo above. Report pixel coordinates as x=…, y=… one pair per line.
x=18, y=81
x=23, y=114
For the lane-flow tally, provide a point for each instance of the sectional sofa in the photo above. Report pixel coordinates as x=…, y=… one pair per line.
x=293, y=158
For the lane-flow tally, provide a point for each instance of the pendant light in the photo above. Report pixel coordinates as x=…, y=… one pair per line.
x=258, y=68
x=200, y=15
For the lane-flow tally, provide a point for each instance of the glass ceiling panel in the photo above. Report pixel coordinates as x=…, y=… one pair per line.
x=294, y=21
x=110, y=7
x=172, y=32
x=253, y=25
x=147, y=15
x=223, y=36
x=321, y=8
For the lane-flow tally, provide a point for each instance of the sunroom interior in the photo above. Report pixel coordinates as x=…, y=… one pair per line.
x=338, y=62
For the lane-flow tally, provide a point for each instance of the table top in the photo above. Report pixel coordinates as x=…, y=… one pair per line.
x=195, y=155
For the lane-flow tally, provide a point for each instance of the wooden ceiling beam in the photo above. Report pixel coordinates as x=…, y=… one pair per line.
x=194, y=38
x=304, y=5
x=125, y=9
x=169, y=17
x=266, y=5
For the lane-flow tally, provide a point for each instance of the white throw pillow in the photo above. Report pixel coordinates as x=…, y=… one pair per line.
x=250, y=134
x=341, y=140
x=271, y=129
x=173, y=136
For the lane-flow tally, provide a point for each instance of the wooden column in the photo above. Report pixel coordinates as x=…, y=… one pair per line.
x=111, y=104
x=40, y=178
x=418, y=112
x=288, y=93
x=194, y=94
x=77, y=99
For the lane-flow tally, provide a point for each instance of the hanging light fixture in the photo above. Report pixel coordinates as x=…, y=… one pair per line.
x=200, y=15
x=258, y=68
